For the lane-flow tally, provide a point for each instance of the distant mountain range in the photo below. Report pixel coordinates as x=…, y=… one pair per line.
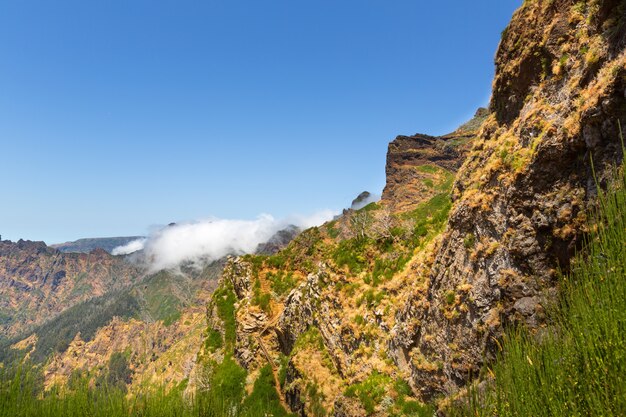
x=89, y=244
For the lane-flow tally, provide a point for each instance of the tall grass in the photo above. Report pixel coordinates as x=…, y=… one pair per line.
x=21, y=396
x=578, y=367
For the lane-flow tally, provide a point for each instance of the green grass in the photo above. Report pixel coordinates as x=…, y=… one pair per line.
x=21, y=395
x=370, y=391
x=370, y=207
x=224, y=299
x=429, y=169
x=282, y=282
x=578, y=368
x=161, y=297
x=264, y=396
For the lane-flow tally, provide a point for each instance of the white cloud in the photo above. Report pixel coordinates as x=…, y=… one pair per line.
x=130, y=247
x=211, y=239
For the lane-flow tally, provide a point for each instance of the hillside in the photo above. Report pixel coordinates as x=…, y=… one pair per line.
x=156, y=318
x=405, y=300
x=38, y=282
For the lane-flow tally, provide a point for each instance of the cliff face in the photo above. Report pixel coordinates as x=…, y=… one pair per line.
x=558, y=96
x=410, y=158
x=411, y=290
x=38, y=282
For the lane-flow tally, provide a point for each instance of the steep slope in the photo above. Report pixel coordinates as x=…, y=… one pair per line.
x=559, y=94
x=405, y=299
x=158, y=317
x=411, y=177
x=319, y=312
x=156, y=322
x=38, y=282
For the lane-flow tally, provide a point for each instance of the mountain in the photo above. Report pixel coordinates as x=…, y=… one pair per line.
x=405, y=301
x=419, y=166
x=72, y=312
x=400, y=307
x=37, y=282
x=89, y=244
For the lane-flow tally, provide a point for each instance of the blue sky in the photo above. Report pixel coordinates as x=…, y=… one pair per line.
x=119, y=115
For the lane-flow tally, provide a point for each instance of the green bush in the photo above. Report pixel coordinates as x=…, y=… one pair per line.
x=370, y=391
x=282, y=282
x=351, y=253
x=213, y=340
x=119, y=373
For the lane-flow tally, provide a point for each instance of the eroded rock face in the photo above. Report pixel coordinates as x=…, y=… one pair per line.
x=409, y=157
x=521, y=194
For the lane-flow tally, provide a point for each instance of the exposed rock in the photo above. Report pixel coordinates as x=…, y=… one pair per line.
x=409, y=158
x=522, y=192
x=278, y=241
x=38, y=282
x=523, y=183
x=361, y=200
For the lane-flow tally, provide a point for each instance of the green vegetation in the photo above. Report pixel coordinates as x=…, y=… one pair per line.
x=379, y=388
x=213, y=340
x=429, y=169
x=370, y=391
x=370, y=207
x=21, y=396
x=370, y=298
x=264, y=396
x=332, y=231
x=469, y=240
x=282, y=282
x=119, y=373
x=161, y=298
x=351, y=253
x=578, y=367
x=260, y=298
x=226, y=381
x=86, y=318
x=406, y=406
x=224, y=299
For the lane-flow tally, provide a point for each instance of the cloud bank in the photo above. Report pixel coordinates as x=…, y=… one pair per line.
x=211, y=239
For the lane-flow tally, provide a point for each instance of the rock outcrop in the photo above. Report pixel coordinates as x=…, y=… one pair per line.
x=410, y=161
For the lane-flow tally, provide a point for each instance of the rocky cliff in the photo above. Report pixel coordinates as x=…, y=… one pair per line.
x=410, y=171
x=403, y=301
x=558, y=97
